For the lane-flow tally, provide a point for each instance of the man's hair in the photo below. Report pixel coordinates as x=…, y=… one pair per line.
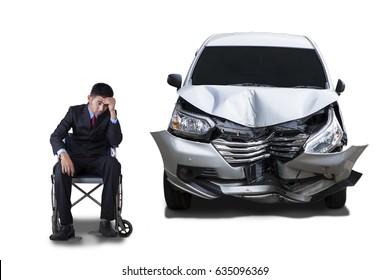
x=102, y=89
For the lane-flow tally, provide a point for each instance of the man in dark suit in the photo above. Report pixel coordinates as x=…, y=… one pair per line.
x=95, y=128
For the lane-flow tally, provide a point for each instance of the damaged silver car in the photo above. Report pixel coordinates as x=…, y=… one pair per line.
x=257, y=117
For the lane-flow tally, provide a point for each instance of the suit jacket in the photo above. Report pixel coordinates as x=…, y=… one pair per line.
x=87, y=141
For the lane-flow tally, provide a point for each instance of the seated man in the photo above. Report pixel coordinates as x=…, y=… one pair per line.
x=95, y=127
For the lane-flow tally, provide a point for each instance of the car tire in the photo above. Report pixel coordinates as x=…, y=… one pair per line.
x=336, y=200
x=175, y=199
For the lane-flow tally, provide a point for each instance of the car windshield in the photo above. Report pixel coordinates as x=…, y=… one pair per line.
x=259, y=66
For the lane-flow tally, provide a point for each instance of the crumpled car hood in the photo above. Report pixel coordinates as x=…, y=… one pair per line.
x=257, y=106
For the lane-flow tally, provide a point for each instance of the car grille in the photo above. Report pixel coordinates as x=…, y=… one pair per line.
x=282, y=147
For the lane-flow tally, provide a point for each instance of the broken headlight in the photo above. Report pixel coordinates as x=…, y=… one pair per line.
x=191, y=125
x=327, y=138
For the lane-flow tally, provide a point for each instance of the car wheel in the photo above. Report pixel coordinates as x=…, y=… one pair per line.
x=336, y=200
x=175, y=199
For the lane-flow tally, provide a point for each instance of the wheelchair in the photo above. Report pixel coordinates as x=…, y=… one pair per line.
x=123, y=227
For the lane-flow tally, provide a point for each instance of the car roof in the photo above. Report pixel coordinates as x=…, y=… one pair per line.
x=259, y=39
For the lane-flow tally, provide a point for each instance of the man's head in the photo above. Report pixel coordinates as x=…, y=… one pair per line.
x=99, y=92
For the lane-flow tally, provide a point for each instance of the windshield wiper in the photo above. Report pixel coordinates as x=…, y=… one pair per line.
x=251, y=85
x=314, y=87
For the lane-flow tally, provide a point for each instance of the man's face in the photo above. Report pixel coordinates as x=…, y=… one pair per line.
x=97, y=105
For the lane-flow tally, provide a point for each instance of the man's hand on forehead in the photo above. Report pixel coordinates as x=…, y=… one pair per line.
x=110, y=101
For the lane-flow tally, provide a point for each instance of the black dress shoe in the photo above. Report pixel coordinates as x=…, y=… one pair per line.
x=65, y=232
x=106, y=229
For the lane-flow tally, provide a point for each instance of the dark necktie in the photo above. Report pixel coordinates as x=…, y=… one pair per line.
x=93, y=121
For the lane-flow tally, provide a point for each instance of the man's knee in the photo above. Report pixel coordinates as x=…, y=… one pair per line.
x=113, y=164
x=57, y=169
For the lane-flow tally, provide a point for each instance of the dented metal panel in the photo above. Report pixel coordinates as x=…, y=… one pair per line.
x=336, y=166
x=257, y=106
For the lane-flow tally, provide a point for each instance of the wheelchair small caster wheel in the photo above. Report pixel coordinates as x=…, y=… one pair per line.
x=126, y=230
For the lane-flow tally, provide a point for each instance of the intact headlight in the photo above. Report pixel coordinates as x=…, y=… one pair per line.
x=327, y=138
x=188, y=124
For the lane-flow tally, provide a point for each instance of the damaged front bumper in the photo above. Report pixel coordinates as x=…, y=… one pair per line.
x=198, y=168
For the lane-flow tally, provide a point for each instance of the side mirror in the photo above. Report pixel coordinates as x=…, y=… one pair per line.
x=174, y=80
x=340, y=87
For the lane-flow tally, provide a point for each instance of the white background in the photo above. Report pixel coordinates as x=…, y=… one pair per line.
x=52, y=52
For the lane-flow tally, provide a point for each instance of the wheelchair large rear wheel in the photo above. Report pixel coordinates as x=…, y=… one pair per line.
x=55, y=223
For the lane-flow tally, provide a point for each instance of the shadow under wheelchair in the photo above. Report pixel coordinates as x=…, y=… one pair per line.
x=231, y=207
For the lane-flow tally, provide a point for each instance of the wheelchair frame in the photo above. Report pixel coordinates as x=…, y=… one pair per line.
x=123, y=227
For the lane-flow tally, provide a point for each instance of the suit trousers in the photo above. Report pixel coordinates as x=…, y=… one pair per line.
x=106, y=167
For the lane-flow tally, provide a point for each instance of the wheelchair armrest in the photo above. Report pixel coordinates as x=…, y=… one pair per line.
x=113, y=151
